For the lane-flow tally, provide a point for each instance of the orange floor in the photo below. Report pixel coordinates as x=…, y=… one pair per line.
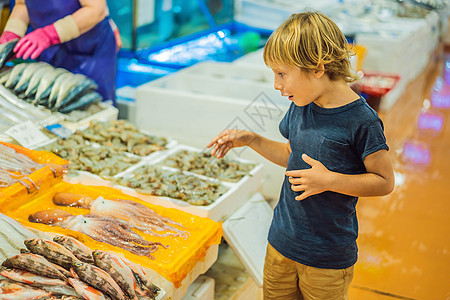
x=404, y=240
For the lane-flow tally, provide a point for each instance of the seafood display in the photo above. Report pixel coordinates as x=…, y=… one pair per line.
x=133, y=214
x=57, y=89
x=207, y=165
x=14, y=167
x=158, y=181
x=121, y=135
x=32, y=275
x=106, y=148
x=99, y=160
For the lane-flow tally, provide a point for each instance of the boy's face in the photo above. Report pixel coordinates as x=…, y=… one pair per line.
x=299, y=86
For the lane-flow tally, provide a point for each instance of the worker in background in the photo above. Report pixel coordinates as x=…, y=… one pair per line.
x=73, y=34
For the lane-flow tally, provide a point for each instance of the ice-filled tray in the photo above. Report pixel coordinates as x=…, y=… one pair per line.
x=220, y=209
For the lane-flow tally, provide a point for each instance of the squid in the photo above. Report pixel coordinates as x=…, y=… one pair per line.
x=132, y=213
x=100, y=228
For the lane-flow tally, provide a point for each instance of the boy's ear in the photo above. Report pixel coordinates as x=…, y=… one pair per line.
x=319, y=71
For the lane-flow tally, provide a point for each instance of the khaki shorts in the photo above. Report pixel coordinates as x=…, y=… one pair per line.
x=286, y=279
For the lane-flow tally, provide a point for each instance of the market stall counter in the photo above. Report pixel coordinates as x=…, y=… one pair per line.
x=181, y=248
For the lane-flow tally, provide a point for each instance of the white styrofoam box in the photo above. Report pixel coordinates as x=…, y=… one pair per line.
x=253, y=58
x=221, y=70
x=201, y=289
x=201, y=267
x=270, y=14
x=400, y=46
x=232, y=281
x=193, y=111
x=246, y=232
x=126, y=103
x=251, y=181
x=389, y=99
x=236, y=195
x=243, y=90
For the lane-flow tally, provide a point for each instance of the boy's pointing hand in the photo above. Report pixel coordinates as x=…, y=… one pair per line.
x=309, y=181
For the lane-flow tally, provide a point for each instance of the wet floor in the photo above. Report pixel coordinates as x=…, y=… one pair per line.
x=404, y=240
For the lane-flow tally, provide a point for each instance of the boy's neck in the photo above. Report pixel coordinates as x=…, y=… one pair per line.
x=336, y=94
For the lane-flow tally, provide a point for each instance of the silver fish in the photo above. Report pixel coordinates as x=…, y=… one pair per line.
x=55, y=88
x=66, y=86
x=36, y=79
x=6, y=51
x=4, y=76
x=84, y=100
x=26, y=76
x=15, y=75
x=46, y=83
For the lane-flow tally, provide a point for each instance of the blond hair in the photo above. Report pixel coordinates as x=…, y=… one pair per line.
x=309, y=39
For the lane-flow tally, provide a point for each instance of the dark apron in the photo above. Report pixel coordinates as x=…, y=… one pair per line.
x=92, y=53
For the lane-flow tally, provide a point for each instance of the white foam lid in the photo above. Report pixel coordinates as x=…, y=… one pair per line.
x=246, y=232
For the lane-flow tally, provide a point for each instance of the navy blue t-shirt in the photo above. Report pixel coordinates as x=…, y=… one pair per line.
x=321, y=230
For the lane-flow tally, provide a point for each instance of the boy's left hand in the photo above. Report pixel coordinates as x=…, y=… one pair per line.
x=311, y=181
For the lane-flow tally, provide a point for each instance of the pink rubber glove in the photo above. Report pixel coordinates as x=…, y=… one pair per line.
x=8, y=36
x=32, y=44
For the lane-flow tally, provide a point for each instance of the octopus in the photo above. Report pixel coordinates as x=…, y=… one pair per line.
x=133, y=214
x=100, y=228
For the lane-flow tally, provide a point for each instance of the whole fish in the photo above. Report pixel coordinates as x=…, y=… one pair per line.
x=66, y=86
x=52, y=251
x=30, y=278
x=15, y=75
x=80, y=250
x=81, y=102
x=4, y=76
x=77, y=91
x=118, y=270
x=46, y=83
x=85, y=290
x=22, y=84
x=98, y=279
x=57, y=267
x=17, y=291
x=36, y=79
x=6, y=51
x=141, y=276
x=33, y=263
x=56, y=87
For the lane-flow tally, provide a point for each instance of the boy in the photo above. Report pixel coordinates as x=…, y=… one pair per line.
x=336, y=152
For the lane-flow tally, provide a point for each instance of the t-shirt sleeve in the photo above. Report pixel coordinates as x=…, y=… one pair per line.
x=284, y=124
x=370, y=138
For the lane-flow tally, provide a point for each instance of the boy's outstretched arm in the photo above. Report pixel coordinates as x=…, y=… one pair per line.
x=378, y=181
x=276, y=152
